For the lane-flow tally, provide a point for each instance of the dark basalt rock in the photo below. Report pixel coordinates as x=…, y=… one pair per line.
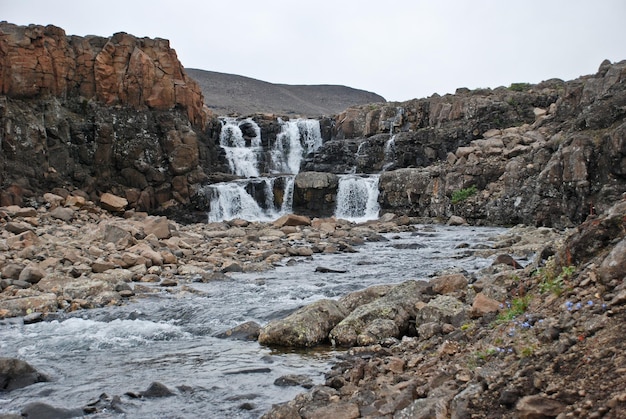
x=15, y=373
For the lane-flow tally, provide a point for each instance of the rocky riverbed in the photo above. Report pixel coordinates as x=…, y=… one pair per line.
x=539, y=340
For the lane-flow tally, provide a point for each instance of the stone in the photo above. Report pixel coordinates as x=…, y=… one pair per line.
x=483, y=305
x=292, y=220
x=441, y=309
x=15, y=373
x=306, y=327
x=293, y=380
x=17, y=227
x=20, y=306
x=448, y=284
x=159, y=226
x=614, y=264
x=31, y=274
x=61, y=213
x=12, y=270
x=506, y=260
x=371, y=321
x=113, y=203
x=157, y=390
x=245, y=331
x=338, y=410
x=22, y=240
x=455, y=220
x=538, y=407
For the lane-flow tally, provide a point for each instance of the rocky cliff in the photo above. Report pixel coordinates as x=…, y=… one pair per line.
x=549, y=154
x=98, y=114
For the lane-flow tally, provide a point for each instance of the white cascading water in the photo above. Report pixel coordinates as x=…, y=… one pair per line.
x=231, y=200
x=357, y=198
x=297, y=138
x=390, y=153
x=242, y=159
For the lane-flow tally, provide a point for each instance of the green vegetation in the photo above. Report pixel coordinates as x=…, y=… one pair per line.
x=520, y=87
x=463, y=194
x=515, y=308
x=551, y=280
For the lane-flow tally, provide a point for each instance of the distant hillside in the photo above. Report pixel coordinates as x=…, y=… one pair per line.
x=228, y=93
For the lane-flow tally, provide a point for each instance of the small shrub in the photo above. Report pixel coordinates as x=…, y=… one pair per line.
x=550, y=281
x=515, y=308
x=463, y=194
x=520, y=87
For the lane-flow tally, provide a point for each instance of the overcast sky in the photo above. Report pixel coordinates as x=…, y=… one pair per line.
x=400, y=49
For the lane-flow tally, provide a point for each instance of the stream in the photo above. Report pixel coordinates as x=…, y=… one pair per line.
x=170, y=336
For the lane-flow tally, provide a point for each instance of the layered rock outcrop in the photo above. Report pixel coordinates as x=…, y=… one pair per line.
x=99, y=115
x=549, y=154
x=120, y=70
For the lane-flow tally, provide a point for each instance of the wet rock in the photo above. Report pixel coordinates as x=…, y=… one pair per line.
x=42, y=410
x=245, y=331
x=33, y=318
x=157, y=390
x=330, y=270
x=15, y=373
x=294, y=380
x=306, y=327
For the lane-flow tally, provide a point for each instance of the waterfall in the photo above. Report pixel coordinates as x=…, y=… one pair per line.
x=297, y=139
x=242, y=157
x=357, y=198
x=390, y=153
x=251, y=200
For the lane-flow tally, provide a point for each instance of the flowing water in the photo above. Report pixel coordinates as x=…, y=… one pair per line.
x=170, y=337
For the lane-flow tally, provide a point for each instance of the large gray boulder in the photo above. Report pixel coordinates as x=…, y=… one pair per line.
x=305, y=327
x=384, y=317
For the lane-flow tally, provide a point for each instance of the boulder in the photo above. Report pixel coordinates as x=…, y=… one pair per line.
x=384, y=317
x=305, y=327
x=20, y=306
x=441, y=309
x=484, y=305
x=539, y=407
x=113, y=203
x=447, y=284
x=15, y=373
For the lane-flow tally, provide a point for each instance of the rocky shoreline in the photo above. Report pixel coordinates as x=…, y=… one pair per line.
x=507, y=342
x=536, y=342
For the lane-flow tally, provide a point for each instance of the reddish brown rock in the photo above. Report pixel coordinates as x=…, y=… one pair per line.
x=123, y=69
x=112, y=202
x=483, y=305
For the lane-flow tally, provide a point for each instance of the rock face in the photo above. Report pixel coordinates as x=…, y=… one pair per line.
x=121, y=70
x=114, y=114
x=532, y=152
